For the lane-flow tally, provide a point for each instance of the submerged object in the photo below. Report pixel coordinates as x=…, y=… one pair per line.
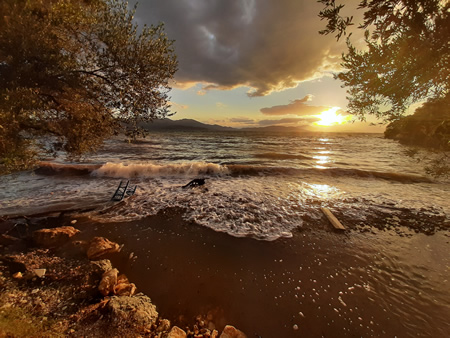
x=123, y=190
x=195, y=183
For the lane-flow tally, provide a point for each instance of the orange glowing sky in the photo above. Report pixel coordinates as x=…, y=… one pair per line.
x=250, y=63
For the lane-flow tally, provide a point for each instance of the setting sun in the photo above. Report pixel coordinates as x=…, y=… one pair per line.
x=330, y=117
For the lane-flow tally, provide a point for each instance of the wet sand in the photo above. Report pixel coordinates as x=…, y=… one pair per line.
x=318, y=283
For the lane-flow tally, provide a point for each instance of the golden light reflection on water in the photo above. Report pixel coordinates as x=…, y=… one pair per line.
x=321, y=159
x=321, y=191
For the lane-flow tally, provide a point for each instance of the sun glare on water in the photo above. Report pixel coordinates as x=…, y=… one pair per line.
x=331, y=117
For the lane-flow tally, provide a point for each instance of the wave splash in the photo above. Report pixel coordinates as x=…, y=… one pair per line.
x=185, y=169
x=158, y=170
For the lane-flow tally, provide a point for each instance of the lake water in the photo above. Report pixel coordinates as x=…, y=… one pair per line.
x=376, y=282
x=258, y=185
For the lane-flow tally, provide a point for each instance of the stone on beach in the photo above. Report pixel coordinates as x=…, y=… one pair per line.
x=100, y=247
x=125, y=289
x=137, y=309
x=163, y=326
x=18, y=275
x=54, y=237
x=108, y=282
x=231, y=332
x=40, y=272
x=176, y=332
x=102, y=266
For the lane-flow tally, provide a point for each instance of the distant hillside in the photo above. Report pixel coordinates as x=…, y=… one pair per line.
x=193, y=125
x=181, y=125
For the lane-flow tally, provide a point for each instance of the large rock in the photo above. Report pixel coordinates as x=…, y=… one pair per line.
x=176, y=332
x=108, y=282
x=101, y=266
x=231, y=332
x=137, y=309
x=54, y=237
x=100, y=247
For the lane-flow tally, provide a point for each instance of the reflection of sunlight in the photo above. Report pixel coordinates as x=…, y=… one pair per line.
x=322, y=159
x=321, y=191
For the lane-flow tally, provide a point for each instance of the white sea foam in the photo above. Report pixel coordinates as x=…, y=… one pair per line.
x=241, y=207
x=132, y=170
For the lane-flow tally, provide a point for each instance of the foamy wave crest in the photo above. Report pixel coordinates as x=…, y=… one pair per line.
x=121, y=170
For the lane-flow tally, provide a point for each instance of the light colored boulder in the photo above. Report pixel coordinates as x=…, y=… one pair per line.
x=40, y=272
x=108, y=282
x=176, y=332
x=54, y=237
x=137, y=309
x=100, y=247
x=231, y=332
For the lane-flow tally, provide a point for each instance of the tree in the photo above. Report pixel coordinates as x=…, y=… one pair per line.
x=406, y=58
x=78, y=71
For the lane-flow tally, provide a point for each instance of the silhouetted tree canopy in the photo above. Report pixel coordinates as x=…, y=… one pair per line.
x=75, y=70
x=405, y=59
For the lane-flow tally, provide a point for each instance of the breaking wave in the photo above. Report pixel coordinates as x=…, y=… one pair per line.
x=158, y=170
x=190, y=169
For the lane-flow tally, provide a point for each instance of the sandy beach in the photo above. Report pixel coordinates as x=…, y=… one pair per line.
x=362, y=282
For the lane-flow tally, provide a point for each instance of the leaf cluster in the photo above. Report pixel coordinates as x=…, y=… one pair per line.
x=78, y=71
x=406, y=58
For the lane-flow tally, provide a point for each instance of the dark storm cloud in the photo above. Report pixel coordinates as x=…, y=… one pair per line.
x=296, y=107
x=265, y=44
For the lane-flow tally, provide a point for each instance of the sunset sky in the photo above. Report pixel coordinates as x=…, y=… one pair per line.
x=250, y=63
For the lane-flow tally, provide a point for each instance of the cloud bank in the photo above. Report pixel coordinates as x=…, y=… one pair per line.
x=268, y=45
x=298, y=107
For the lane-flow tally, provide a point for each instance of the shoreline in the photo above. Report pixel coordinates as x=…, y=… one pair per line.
x=189, y=270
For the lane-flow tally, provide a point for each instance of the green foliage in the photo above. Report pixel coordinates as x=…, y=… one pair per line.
x=406, y=58
x=76, y=70
x=429, y=126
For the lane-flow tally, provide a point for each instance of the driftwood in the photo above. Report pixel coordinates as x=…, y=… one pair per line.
x=332, y=219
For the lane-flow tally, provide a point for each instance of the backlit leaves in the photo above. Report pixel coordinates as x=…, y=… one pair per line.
x=77, y=70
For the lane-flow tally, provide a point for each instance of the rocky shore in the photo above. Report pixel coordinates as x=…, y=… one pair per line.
x=65, y=275
x=53, y=284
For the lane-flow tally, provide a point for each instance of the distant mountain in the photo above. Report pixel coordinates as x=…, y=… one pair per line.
x=182, y=125
x=193, y=125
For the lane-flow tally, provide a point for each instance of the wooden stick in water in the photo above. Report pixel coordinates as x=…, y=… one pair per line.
x=332, y=219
